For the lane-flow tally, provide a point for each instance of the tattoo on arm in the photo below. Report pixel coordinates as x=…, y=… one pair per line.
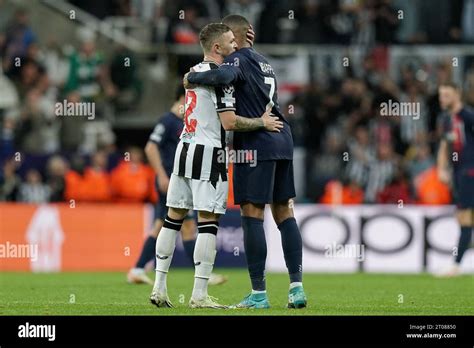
x=248, y=124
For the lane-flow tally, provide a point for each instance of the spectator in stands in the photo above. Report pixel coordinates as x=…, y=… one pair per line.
x=386, y=22
x=33, y=190
x=74, y=182
x=310, y=23
x=96, y=181
x=30, y=76
x=19, y=36
x=36, y=131
x=422, y=160
x=430, y=189
x=361, y=155
x=7, y=143
x=124, y=76
x=56, y=171
x=72, y=128
x=133, y=181
x=88, y=74
x=329, y=163
x=439, y=21
x=342, y=192
x=397, y=191
x=409, y=27
x=9, y=181
x=184, y=28
x=381, y=171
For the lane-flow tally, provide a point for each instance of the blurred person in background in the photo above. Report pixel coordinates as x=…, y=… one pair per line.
x=430, y=190
x=74, y=181
x=132, y=180
x=19, y=36
x=124, y=76
x=456, y=151
x=56, y=171
x=7, y=138
x=328, y=163
x=88, y=73
x=96, y=180
x=33, y=190
x=397, y=191
x=185, y=31
x=361, y=154
x=344, y=191
x=381, y=171
x=420, y=159
x=36, y=131
x=9, y=181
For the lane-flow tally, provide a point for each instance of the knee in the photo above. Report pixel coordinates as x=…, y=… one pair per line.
x=177, y=214
x=282, y=211
x=253, y=210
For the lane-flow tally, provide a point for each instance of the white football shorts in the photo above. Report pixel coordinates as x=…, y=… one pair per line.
x=199, y=195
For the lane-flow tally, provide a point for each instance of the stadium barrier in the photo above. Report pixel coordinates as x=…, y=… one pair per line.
x=92, y=237
x=372, y=238
x=104, y=237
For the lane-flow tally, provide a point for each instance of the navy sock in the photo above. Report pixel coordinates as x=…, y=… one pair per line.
x=255, y=251
x=148, y=252
x=464, y=241
x=292, y=249
x=189, y=248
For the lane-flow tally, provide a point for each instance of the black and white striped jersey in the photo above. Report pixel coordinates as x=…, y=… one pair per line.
x=201, y=151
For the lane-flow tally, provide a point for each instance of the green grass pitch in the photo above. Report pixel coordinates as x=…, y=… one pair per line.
x=328, y=294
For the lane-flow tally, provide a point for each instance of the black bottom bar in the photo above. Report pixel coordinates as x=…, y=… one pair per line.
x=453, y=331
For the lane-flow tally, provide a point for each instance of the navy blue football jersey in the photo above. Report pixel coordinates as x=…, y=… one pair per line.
x=166, y=135
x=255, y=90
x=460, y=135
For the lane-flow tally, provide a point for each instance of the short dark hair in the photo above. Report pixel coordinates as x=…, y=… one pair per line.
x=238, y=24
x=451, y=84
x=210, y=33
x=180, y=92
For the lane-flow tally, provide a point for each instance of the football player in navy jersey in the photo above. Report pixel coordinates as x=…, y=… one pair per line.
x=271, y=180
x=160, y=151
x=457, y=148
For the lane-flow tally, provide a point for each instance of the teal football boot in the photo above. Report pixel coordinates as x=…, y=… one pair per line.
x=296, y=298
x=256, y=301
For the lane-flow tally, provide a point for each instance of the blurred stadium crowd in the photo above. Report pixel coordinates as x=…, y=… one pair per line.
x=353, y=154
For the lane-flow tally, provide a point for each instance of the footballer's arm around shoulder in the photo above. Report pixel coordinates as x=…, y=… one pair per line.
x=223, y=76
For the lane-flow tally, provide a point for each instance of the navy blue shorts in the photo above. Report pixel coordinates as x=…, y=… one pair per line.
x=464, y=188
x=267, y=182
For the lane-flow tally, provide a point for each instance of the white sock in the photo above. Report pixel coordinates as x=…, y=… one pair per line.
x=160, y=282
x=165, y=245
x=259, y=291
x=200, y=288
x=295, y=285
x=204, y=256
